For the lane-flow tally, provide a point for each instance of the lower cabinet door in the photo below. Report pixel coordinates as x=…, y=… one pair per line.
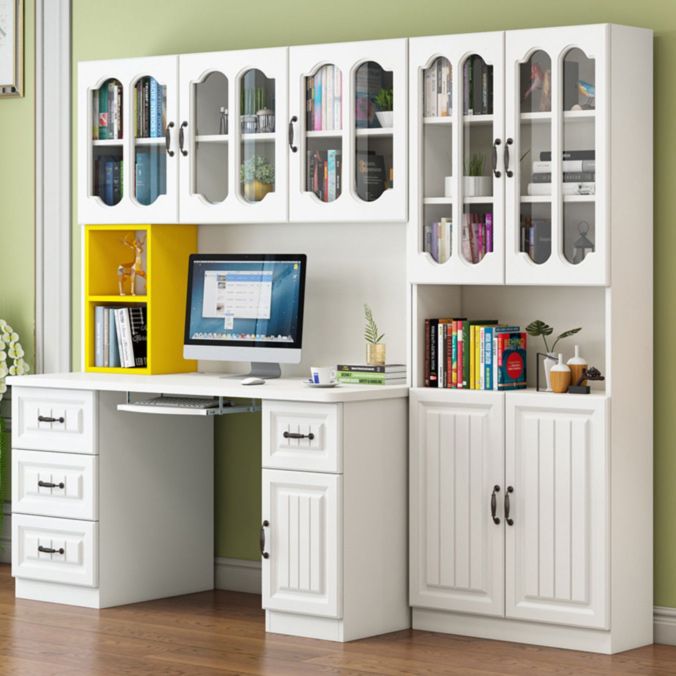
x=301, y=536
x=457, y=471
x=557, y=547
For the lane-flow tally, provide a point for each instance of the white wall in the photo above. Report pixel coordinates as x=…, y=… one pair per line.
x=348, y=265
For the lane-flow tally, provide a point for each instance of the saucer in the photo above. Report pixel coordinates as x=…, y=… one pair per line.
x=311, y=384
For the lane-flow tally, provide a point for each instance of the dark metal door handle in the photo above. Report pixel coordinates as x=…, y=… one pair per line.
x=49, y=419
x=510, y=522
x=508, y=171
x=264, y=554
x=49, y=484
x=494, y=504
x=181, y=138
x=298, y=435
x=50, y=550
x=294, y=148
x=494, y=158
x=167, y=139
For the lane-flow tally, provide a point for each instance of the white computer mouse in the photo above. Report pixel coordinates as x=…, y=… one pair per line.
x=253, y=381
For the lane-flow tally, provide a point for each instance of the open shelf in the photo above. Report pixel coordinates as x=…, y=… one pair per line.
x=112, y=298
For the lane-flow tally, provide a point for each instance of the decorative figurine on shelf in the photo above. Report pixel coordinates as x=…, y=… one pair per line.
x=539, y=328
x=134, y=268
x=590, y=373
x=546, y=97
x=560, y=376
x=223, y=120
x=536, y=80
x=375, y=349
x=589, y=92
x=583, y=245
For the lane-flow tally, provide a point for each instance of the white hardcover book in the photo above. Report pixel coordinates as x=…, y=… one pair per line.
x=329, y=96
x=337, y=97
x=431, y=91
x=585, y=188
x=545, y=166
x=124, y=337
x=98, y=335
x=106, y=337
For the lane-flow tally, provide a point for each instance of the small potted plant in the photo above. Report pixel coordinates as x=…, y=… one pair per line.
x=539, y=328
x=375, y=348
x=475, y=183
x=385, y=102
x=258, y=177
x=248, y=119
x=265, y=118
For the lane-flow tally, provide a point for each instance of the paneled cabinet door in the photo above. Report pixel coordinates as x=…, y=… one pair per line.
x=557, y=546
x=557, y=121
x=127, y=141
x=457, y=466
x=347, y=131
x=302, y=537
x=233, y=136
x=457, y=227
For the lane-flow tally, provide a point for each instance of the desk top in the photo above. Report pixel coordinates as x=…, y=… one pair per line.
x=209, y=385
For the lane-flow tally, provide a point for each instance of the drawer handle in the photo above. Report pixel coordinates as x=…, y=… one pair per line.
x=49, y=484
x=264, y=554
x=494, y=505
x=510, y=522
x=298, y=435
x=49, y=419
x=51, y=550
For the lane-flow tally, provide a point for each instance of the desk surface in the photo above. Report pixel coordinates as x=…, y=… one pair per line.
x=209, y=385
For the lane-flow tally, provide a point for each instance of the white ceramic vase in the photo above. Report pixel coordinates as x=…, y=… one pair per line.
x=549, y=362
x=386, y=118
x=477, y=186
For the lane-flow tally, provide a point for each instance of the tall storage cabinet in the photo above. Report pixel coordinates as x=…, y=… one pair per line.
x=531, y=512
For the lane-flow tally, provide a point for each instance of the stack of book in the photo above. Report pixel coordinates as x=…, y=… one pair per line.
x=478, y=87
x=323, y=174
x=477, y=236
x=474, y=355
x=437, y=239
x=324, y=99
x=150, y=174
x=536, y=238
x=371, y=175
x=579, y=173
x=120, y=336
x=438, y=89
x=366, y=374
x=150, y=106
x=107, y=111
x=108, y=172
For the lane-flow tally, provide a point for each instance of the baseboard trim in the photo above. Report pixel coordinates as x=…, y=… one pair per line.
x=237, y=575
x=665, y=625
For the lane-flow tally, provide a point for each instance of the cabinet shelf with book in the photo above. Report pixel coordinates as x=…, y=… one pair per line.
x=149, y=326
x=211, y=138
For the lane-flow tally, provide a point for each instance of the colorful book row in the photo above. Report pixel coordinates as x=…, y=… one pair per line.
x=368, y=374
x=324, y=99
x=324, y=174
x=150, y=174
x=437, y=239
x=120, y=336
x=478, y=87
x=474, y=355
x=107, y=111
x=477, y=236
x=108, y=179
x=150, y=107
x=438, y=89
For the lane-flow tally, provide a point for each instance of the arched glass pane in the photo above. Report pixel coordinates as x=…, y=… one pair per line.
x=374, y=115
x=107, y=136
x=257, y=127
x=209, y=155
x=324, y=141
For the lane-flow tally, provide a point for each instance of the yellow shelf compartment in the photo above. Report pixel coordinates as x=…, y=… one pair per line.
x=165, y=261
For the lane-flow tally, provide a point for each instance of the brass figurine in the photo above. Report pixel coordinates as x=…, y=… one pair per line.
x=134, y=268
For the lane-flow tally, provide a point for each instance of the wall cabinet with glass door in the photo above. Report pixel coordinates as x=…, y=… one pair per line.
x=347, y=131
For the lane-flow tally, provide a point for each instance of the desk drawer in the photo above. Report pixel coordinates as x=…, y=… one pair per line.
x=303, y=436
x=55, y=484
x=55, y=550
x=54, y=420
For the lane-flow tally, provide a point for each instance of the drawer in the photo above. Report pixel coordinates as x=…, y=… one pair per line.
x=55, y=484
x=303, y=436
x=54, y=420
x=55, y=550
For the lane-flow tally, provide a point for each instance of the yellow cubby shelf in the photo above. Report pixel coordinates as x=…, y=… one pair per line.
x=163, y=292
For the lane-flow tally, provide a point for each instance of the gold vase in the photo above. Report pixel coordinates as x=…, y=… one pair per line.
x=255, y=191
x=375, y=354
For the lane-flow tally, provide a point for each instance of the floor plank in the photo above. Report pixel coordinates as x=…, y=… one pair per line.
x=220, y=633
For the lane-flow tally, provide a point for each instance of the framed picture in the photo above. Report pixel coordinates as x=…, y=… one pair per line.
x=11, y=47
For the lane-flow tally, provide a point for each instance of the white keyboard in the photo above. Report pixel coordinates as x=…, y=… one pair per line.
x=181, y=402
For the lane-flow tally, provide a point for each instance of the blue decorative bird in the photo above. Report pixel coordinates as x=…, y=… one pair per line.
x=587, y=90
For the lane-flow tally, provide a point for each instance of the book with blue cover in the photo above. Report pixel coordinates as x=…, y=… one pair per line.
x=511, y=353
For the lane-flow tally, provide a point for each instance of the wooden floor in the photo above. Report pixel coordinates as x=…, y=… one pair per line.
x=223, y=633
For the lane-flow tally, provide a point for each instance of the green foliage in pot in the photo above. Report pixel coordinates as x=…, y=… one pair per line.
x=539, y=328
x=257, y=168
x=385, y=99
x=474, y=166
x=371, y=332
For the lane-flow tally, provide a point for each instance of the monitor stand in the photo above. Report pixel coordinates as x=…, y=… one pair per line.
x=260, y=369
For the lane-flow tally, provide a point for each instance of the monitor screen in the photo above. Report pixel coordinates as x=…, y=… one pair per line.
x=245, y=300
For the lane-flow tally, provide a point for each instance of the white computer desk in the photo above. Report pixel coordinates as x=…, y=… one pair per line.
x=114, y=506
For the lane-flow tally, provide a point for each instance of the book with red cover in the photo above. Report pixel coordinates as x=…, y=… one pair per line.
x=512, y=360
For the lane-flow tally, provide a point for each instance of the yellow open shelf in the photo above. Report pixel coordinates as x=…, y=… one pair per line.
x=165, y=261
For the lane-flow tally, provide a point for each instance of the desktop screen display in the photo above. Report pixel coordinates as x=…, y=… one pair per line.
x=245, y=300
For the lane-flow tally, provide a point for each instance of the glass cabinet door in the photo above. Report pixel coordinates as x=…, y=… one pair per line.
x=347, y=131
x=556, y=104
x=457, y=226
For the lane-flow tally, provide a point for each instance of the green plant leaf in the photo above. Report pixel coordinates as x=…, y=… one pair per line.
x=371, y=333
x=539, y=328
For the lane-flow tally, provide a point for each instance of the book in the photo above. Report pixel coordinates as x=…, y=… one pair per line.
x=460, y=357
x=536, y=239
x=142, y=172
x=123, y=331
x=371, y=175
x=426, y=353
x=98, y=335
x=106, y=337
x=511, y=353
x=139, y=335
x=546, y=155
x=540, y=166
x=372, y=368
x=113, y=349
x=568, y=176
x=433, y=361
x=578, y=188
x=362, y=380
x=109, y=169
x=103, y=113
x=154, y=129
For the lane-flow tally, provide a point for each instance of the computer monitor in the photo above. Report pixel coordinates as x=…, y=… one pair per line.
x=246, y=307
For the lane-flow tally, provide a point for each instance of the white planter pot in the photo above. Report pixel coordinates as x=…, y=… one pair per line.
x=385, y=117
x=477, y=186
x=549, y=362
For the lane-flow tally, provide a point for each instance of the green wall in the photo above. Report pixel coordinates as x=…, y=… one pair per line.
x=133, y=28
x=17, y=197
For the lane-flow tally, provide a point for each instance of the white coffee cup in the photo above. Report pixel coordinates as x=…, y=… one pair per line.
x=323, y=375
